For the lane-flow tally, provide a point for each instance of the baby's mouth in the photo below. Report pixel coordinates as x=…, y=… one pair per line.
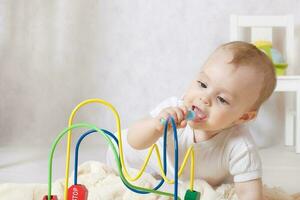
x=200, y=114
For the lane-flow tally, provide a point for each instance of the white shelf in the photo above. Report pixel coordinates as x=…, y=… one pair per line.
x=288, y=83
x=288, y=77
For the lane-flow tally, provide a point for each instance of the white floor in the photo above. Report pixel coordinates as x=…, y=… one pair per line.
x=281, y=166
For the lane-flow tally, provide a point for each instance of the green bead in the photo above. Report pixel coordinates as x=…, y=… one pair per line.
x=192, y=195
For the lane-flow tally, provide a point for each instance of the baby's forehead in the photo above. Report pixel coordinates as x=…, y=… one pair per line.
x=227, y=71
x=227, y=60
x=236, y=80
x=238, y=57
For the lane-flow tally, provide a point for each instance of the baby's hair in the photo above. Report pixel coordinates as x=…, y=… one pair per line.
x=246, y=54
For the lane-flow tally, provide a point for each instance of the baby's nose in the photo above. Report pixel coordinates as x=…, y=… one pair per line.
x=206, y=101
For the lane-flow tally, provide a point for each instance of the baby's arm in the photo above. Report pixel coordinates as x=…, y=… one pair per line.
x=143, y=133
x=249, y=190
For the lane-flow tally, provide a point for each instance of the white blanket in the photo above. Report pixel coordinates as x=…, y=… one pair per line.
x=103, y=183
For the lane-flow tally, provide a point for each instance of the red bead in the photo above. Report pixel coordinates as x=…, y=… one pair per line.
x=53, y=197
x=77, y=192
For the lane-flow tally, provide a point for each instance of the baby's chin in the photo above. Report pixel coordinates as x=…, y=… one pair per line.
x=207, y=127
x=202, y=125
x=197, y=125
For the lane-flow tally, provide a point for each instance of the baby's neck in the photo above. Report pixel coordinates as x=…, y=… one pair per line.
x=201, y=135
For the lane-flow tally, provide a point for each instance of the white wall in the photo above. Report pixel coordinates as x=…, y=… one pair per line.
x=134, y=53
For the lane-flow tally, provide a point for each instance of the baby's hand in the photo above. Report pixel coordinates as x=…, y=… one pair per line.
x=178, y=113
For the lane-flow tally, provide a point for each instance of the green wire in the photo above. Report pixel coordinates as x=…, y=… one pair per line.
x=90, y=126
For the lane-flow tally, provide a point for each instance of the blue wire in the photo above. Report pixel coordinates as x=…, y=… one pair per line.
x=116, y=141
x=175, y=152
x=77, y=149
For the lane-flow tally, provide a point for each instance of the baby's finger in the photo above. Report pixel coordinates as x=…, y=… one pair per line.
x=182, y=124
x=184, y=109
x=164, y=116
x=180, y=114
x=172, y=113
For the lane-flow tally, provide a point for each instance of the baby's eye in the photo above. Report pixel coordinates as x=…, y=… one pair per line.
x=202, y=84
x=222, y=100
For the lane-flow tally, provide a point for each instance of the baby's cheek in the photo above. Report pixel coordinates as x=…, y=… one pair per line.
x=218, y=119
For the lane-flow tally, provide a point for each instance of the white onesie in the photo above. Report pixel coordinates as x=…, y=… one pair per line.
x=229, y=155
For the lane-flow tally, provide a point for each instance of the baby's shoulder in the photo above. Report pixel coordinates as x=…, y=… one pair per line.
x=242, y=154
x=240, y=138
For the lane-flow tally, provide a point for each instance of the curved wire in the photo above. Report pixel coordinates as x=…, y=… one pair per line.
x=85, y=125
x=124, y=169
x=175, y=152
x=77, y=149
x=116, y=141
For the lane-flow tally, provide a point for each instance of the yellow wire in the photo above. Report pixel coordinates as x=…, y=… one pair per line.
x=126, y=174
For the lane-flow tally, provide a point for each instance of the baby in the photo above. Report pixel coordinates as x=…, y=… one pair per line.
x=233, y=83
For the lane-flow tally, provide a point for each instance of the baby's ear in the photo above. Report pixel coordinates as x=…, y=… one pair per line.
x=247, y=117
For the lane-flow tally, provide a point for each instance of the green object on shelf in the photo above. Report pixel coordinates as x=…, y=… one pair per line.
x=280, y=69
x=192, y=195
x=274, y=55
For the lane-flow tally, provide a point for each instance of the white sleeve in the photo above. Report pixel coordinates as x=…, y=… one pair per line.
x=172, y=101
x=245, y=163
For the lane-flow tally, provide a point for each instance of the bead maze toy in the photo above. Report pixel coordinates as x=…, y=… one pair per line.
x=80, y=192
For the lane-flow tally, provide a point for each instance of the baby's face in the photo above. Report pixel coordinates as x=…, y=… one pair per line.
x=222, y=93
